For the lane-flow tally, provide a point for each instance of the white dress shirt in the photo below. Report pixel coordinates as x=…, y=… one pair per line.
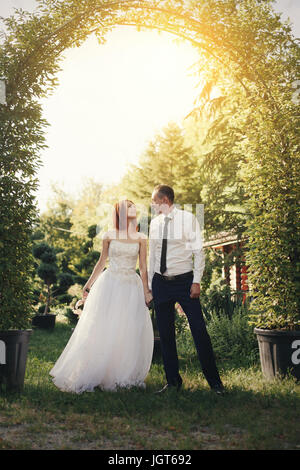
x=184, y=245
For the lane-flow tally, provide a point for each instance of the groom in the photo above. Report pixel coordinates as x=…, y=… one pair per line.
x=173, y=277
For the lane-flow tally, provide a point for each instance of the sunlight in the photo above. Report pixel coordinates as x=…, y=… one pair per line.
x=110, y=102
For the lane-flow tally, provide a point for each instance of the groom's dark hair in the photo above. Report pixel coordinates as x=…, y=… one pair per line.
x=164, y=190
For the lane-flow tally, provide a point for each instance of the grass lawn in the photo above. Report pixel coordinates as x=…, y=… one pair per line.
x=255, y=414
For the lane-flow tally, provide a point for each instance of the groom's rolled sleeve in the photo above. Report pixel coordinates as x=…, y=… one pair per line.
x=196, y=245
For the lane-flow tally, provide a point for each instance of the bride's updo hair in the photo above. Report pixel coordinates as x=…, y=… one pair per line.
x=120, y=214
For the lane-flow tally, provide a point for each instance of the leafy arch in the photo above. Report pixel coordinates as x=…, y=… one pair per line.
x=244, y=40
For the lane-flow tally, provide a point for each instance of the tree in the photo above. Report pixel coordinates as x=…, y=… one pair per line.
x=167, y=160
x=219, y=159
x=87, y=206
x=56, y=225
x=75, y=254
x=47, y=269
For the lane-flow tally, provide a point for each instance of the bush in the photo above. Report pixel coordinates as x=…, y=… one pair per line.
x=65, y=281
x=80, y=279
x=219, y=299
x=233, y=338
x=35, y=297
x=17, y=214
x=88, y=262
x=39, y=249
x=47, y=270
x=71, y=316
x=64, y=298
x=41, y=309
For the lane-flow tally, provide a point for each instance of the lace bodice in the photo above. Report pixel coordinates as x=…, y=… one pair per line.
x=123, y=258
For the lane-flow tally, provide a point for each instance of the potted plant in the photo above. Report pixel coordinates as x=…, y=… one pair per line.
x=274, y=270
x=47, y=271
x=15, y=282
x=279, y=343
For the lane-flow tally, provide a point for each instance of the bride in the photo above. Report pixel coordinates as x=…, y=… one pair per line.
x=112, y=344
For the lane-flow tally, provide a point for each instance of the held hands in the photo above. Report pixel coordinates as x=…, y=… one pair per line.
x=148, y=298
x=195, y=290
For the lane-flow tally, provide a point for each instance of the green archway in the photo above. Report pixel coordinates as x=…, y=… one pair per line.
x=244, y=40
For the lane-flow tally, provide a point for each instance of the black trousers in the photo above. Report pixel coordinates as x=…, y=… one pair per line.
x=165, y=295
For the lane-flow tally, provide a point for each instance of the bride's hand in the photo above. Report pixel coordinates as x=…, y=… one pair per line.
x=148, y=297
x=85, y=292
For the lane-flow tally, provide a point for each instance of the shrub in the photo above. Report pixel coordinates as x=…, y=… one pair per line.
x=233, y=338
x=71, y=317
x=219, y=299
x=64, y=298
x=47, y=270
x=42, y=308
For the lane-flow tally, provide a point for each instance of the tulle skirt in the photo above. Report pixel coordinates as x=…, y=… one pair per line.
x=112, y=344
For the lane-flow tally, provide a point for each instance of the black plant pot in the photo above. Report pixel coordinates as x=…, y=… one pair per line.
x=279, y=352
x=13, y=357
x=46, y=322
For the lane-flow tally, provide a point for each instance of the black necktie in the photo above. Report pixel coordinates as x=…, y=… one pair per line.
x=163, y=263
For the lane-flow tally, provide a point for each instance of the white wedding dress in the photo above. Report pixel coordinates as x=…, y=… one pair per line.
x=112, y=344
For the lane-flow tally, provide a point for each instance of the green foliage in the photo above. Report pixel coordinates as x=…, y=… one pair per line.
x=218, y=299
x=181, y=322
x=71, y=317
x=256, y=127
x=80, y=279
x=253, y=415
x=167, y=160
x=64, y=298
x=221, y=189
x=65, y=281
x=74, y=254
x=48, y=257
x=87, y=211
x=88, y=262
x=37, y=235
x=39, y=249
x=47, y=270
x=92, y=231
x=233, y=337
x=42, y=308
x=16, y=260
x=257, y=131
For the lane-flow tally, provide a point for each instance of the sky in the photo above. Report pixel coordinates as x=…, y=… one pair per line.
x=113, y=98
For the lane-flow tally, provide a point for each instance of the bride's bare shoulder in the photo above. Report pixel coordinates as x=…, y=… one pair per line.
x=109, y=235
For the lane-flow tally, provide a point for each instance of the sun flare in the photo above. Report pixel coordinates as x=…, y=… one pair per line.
x=110, y=102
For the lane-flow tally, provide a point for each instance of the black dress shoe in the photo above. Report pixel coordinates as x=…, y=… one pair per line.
x=169, y=387
x=218, y=389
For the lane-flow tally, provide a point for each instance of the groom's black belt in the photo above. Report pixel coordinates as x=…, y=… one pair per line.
x=177, y=276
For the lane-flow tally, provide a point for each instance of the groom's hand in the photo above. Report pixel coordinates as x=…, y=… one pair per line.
x=148, y=298
x=195, y=290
